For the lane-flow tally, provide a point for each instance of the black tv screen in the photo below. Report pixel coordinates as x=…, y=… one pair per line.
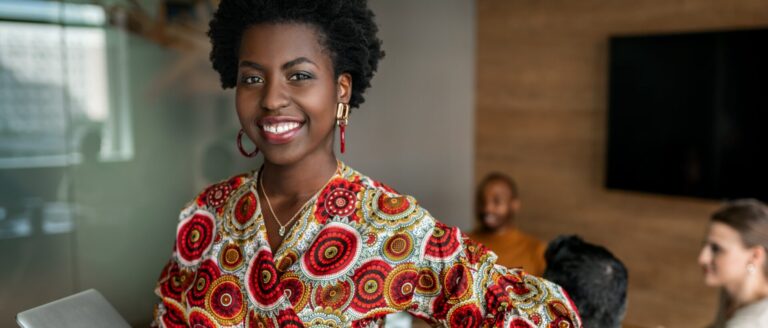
x=688, y=114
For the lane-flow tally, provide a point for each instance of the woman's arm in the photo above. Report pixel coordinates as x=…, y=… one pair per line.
x=173, y=282
x=470, y=290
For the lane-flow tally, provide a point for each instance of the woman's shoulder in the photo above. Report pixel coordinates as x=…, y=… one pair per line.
x=363, y=181
x=753, y=315
x=213, y=197
x=386, y=213
x=368, y=202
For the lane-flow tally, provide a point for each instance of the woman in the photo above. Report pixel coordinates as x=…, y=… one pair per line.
x=497, y=204
x=306, y=240
x=734, y=259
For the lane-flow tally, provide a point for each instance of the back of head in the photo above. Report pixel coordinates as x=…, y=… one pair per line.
x=592, y=276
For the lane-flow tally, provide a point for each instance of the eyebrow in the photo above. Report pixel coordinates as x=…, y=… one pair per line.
x=246, y=63
x=297, y=61
x=300, y=60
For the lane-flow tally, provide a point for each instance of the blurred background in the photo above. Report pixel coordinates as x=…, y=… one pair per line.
x=111, y=119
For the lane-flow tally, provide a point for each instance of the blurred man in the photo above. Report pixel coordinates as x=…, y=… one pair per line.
x=496, y=208
x=592, y=276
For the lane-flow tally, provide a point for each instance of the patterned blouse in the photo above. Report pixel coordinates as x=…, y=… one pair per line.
x=357, y=253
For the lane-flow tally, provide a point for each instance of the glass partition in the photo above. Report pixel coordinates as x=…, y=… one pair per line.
x=110, y=120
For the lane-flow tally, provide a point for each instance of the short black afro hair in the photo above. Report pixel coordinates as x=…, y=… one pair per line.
x=593, y=277
x=346, y=27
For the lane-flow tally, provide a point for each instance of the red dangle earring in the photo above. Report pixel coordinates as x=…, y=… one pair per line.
x=342, y=119
x=240, y=145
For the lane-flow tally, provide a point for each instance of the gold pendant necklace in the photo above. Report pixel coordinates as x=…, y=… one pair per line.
x=281, y=231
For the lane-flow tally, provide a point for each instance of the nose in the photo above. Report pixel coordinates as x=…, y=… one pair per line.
x=274, y=97
x=488, y=207
x=704, y=256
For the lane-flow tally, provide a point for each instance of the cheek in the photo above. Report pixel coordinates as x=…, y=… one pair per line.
x=319, y=101
x=728, y=266
x=321, y=118
x=501, y=208
x=245, y=103
x=324, y=104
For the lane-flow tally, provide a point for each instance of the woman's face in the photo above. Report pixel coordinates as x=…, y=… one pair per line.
x=724, y=257
x=286, y=93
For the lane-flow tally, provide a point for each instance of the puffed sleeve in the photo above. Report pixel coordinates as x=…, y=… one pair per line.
x=190, y=264
x=459, y=284
x=173, y=282
x=171, y=288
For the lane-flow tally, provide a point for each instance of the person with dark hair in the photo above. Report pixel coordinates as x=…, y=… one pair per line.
x=592, y=276
x=305, y=239
x=733, y=259
x=497, y=203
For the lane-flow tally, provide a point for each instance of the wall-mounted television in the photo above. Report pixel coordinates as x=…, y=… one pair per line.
x=688, y=114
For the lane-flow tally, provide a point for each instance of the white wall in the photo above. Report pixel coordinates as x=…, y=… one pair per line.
x=415, y=130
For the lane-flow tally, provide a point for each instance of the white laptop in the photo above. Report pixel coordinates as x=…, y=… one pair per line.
x=88, y=309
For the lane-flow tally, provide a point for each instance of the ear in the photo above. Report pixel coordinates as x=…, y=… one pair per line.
x=515, y=205
x=344, y=88
x=758, y=256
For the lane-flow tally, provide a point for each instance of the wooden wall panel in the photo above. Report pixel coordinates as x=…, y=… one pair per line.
x=541, y=110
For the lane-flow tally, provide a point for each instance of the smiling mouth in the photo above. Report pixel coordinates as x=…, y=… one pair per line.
x=490, y=219
x=279, y=130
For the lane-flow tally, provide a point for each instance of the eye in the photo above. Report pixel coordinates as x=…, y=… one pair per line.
x=715, y=248
x=300, y=76
x=252, y=80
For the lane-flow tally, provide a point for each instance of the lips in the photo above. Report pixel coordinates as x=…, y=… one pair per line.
x=491, y=220
x=279, y=129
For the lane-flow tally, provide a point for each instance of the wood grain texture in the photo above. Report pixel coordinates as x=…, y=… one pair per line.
x=541, y=117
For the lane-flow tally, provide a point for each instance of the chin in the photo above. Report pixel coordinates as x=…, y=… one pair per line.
x=282, y=154
x=492, y=226
x=490, y=223
x=279, y=159
x=712, y=281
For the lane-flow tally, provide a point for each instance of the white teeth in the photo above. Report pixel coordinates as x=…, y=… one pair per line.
x=280, y=128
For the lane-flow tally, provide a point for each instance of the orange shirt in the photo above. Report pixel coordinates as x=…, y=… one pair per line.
x=515, y=249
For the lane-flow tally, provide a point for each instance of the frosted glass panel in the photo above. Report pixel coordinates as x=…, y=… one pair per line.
x=104, y=136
